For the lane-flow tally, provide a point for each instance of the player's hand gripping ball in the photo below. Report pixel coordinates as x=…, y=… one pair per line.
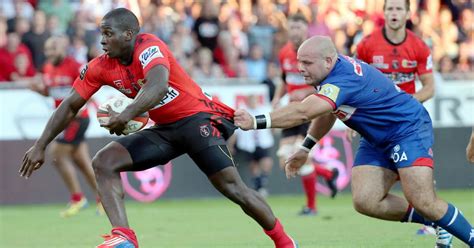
x=118, y=104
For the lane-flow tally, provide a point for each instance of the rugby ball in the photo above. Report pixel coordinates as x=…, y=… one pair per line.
x=118, y=104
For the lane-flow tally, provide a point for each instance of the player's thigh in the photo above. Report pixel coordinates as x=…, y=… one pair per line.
x=213, y=159
x=372, y=174
x=147, y=148
x=61, y=150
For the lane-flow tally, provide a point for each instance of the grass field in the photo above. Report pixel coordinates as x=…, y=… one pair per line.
x=217, y=223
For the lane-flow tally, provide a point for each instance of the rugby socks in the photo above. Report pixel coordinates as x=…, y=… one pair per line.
x=279, y=237
x=76, y=197
x=127, y=233
x=309, y=186
x=325, y=173
x=454, y=222
x=415, y=217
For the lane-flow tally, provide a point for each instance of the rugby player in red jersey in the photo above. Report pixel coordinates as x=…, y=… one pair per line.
x=401, y=56
x=69, y=148
x=297, y=90
x=188, y=121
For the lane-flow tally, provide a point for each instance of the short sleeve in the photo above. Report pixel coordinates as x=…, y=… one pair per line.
x=334, y=93
x=152, y=52
x=88, y=82
x=424, y=59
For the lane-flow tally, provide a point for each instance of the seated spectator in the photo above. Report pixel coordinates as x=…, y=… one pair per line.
x=36, y=37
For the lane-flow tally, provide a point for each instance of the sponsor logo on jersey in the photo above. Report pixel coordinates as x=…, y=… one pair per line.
x=330, y=91
x=395, y=64
x=377, y=61
x=287, y=65
x=409, y=63
x=397, y=156
x=429, y=62
x=149, y=54
x=119, y=85
x=204, y=130
x=400, y=77
x=170, y=96
x=83, y=72
x=344, y=112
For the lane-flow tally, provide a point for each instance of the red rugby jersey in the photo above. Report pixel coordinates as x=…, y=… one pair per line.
x=289, y=65
x=59, y=79
x=184, y=97
x=399, y=62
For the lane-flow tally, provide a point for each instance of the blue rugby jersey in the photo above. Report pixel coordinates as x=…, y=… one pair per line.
x=368, y=102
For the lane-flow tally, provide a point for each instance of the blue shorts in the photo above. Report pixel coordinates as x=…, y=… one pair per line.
x=413, y=150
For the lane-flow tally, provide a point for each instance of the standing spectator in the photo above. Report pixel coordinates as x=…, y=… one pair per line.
x=206, y=27
x=36, y=38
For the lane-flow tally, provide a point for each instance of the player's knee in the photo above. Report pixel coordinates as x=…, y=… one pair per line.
x=362, y=204
x=106, y=160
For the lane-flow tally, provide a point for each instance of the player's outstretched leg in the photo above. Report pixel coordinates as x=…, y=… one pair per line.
x=417, y=184
x=217, y=163
x=108, y=163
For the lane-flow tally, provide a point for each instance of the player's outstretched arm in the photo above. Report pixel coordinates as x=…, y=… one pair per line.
x=148, y=97
x=64, y=114
x=295, y=113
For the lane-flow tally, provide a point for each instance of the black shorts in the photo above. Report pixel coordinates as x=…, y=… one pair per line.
x=295, y=131
x=257, y=155
x=75, y=132
x=202, y=136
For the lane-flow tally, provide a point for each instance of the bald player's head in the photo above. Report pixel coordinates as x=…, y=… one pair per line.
x=55, y=49
x=316, y=58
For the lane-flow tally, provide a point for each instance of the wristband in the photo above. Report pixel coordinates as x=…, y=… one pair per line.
x=308, y=143
x=262, y=121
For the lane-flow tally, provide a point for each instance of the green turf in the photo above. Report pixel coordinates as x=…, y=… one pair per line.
x=217, y=223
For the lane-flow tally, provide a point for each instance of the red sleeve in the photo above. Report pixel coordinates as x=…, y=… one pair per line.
x=424, y=59
x=88, y=81
x=152, y=52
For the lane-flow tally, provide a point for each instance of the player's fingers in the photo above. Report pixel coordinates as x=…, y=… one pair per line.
x=30, y=170
x=23, y=164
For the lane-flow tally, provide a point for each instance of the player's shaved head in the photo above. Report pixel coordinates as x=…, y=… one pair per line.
x=123, y=19
x=318, y=46
x=316, y=58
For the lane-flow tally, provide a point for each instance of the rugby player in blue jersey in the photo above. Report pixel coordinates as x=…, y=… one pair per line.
x=396, y=131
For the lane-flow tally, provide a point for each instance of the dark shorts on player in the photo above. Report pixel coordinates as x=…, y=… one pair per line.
x=300, y=130
x=257, y=155
x=413, y=150
x=202, y=136
x=75, y=132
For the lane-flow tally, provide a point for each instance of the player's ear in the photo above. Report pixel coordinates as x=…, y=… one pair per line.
x=128, y=34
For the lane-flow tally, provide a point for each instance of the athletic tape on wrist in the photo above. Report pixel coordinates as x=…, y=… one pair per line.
x=308, y=143
x=263, y=121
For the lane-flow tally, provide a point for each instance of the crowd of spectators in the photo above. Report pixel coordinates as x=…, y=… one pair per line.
x=227, y=38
